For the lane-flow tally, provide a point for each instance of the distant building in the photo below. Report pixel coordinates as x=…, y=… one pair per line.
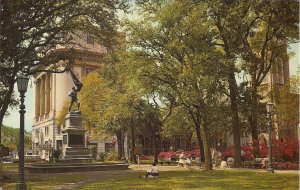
x=277, y=80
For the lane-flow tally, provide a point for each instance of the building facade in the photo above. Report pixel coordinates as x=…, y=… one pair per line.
x=51, y=93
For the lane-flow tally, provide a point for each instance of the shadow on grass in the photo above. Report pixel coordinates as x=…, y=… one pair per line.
x=42, y=181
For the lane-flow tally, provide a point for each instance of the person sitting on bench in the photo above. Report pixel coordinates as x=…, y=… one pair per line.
x=153, y=172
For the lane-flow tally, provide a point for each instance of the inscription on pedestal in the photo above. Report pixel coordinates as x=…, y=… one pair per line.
x=75, y=121
x=76, y=139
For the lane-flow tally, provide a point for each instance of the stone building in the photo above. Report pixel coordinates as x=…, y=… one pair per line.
x=277, y=80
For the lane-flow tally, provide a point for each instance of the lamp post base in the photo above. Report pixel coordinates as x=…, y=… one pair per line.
x=21, y=186
x=270, y=169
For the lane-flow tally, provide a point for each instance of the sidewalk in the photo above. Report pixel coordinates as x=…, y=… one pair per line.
x=261, y=170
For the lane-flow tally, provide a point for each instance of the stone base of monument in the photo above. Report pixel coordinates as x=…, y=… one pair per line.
x=74, y=149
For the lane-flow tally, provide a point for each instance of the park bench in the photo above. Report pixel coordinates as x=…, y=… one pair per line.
x=257, y=162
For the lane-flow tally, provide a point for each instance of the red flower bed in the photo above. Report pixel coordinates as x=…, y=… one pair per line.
x=146, y=157
x=171, y=154
x=247, y=149
x=166, y=155
x=282, y=150
x=192, y=153
x=285, y=166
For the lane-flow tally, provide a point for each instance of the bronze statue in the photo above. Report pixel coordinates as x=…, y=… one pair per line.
x=73, y=93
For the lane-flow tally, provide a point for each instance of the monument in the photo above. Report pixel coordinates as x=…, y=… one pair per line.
x=74, y=148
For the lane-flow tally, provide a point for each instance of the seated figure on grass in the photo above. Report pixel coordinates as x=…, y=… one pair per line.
x=153, y=172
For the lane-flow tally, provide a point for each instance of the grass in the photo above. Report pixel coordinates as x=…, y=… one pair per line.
x=210, y=180
x=175, y=180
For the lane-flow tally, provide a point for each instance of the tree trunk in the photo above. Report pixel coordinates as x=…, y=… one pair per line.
x=234, y=118
x=252, y=119
x=199, y=139
x=133, y=158
x=206, y=144
x=154, y=150
x=120, y=144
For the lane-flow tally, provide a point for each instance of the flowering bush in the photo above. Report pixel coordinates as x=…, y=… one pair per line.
x=287, y=150
x=171, y=154
x=285, y=166
x=193, y=153
x=146, y=157
x=247, y=149
x=282, y=151
x=167, y=155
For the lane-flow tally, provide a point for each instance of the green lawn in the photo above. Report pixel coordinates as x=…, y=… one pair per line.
x=212, y=180
x=175, y=180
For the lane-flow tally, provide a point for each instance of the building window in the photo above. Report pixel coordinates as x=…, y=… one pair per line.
x=58, y=129
x=90, y=39
x=46, y=131
x=37, y=133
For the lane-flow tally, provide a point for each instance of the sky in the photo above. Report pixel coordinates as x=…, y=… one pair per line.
x=13, y=119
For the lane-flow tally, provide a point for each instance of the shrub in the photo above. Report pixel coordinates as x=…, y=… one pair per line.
x=102, y=156
x=282, y=151
x=246, y=148
x=146, y=157
x=175, y=155
x=286, y=150
x=112, y=156
x=56, y=154
x=166, y=155
x=285, y=166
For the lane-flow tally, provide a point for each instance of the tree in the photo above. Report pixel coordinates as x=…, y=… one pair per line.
x=179, y=124
x=30, y=31
x=110, y=103
x=173, y=51
x=253, y=32
x=10, y=138
x=229, y=20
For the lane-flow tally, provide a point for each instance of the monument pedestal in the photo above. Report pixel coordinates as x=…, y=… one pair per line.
x=74, y=139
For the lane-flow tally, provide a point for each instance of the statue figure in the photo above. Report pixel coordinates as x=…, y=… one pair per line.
x=73, y=93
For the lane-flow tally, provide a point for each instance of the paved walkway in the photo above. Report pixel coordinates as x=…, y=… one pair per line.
x=98, y=175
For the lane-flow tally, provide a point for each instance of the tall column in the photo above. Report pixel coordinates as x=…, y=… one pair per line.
x=37, y=98
x=42, y=96
x=47, y=93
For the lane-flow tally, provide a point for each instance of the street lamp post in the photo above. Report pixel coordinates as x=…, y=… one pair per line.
x=270, y=109
x=22, y=83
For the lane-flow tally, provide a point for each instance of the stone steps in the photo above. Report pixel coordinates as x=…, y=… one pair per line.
x=78, y=156
x=82, y=152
